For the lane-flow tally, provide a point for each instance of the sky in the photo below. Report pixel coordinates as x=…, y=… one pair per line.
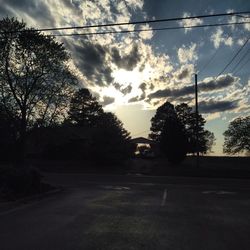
x=133, y=74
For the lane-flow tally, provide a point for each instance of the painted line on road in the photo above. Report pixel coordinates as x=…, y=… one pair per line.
x=222, y=192
x=164, y=197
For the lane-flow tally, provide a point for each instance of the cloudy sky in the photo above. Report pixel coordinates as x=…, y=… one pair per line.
x=132, y=74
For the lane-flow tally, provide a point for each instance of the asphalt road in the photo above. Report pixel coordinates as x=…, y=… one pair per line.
x=115, y=212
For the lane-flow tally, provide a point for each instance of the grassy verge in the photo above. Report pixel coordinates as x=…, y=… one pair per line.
x=18, y=182
x=221, y=167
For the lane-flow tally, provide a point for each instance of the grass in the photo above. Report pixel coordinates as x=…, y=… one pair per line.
x=209, y=166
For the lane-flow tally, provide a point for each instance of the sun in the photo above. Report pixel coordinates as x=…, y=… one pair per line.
x=124, y=78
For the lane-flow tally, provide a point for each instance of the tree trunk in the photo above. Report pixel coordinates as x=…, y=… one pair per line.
x=21, y=143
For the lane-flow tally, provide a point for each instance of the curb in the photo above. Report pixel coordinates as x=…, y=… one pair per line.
x=11, y=206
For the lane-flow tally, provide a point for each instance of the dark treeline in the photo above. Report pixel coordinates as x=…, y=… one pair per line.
x=40, y=99
x=87, y=134
x=177, y=132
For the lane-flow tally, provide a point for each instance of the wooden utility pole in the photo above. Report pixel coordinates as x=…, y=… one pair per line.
x=197, y=122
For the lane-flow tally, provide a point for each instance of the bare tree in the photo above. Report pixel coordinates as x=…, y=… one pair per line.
x=35, y=79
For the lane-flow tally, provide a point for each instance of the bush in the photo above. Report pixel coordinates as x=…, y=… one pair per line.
x=19, y=181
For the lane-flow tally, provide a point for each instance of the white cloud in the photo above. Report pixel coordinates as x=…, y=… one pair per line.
x=240, y=41
x=190, y=22
x=186, y=54
x=135, y=3
x=147, y=35
x=219, y=38
x=247, y=26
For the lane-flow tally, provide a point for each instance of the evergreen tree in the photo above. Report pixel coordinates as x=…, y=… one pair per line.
x=84, y=109
x=187, y=117
x=175, y=129
x=111, y=140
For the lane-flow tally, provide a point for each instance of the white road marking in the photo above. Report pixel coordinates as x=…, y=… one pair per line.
x=208, y=192
x=218, y=192
x=225, y=192
x=164, y=197
x=116, y=187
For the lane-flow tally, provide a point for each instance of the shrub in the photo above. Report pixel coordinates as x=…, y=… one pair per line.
x=19, y=181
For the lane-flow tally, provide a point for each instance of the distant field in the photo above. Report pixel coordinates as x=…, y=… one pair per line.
x=209, y=166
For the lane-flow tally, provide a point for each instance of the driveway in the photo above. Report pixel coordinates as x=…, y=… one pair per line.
x=125, y=214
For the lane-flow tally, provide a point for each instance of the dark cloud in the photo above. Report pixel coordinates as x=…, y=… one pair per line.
x=138, y=98
x=160, y=94
x=217, y=106
x=220, y=83
x=151, y=87
x=107, y=100
x=183, y=74
x=126, y=90
x=117, y=85
x=143, y=86
x=127, y=62
x=143, y=96
x=186, y=99
x=212, y=85
x=156, y=103
x=172, y=92
x=91, y=61
x=134, y=99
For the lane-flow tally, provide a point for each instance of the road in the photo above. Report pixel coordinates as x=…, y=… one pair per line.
x=117, y=212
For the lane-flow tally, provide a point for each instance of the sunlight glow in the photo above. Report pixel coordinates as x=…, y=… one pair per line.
x=124, y=79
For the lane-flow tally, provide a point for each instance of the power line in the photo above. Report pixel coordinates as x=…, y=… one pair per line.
x=237, y=71
x=138, y=22
x=242, y=16
x=209, y=61
x=236, y=54
x=151, y=29
x=241, y=59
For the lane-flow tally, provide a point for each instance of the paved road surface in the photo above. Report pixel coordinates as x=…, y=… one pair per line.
x=112, y=212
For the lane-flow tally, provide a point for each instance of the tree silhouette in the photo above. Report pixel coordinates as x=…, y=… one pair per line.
x=237, y=136
x=175, y=129
x=84, y=109
x=8, y=135
x=164, y=112
x=173, y=140
x=35, y=80
x=187, y=117
x=111, y=141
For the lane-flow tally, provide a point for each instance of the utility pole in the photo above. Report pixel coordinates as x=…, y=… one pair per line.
x=197, y=122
